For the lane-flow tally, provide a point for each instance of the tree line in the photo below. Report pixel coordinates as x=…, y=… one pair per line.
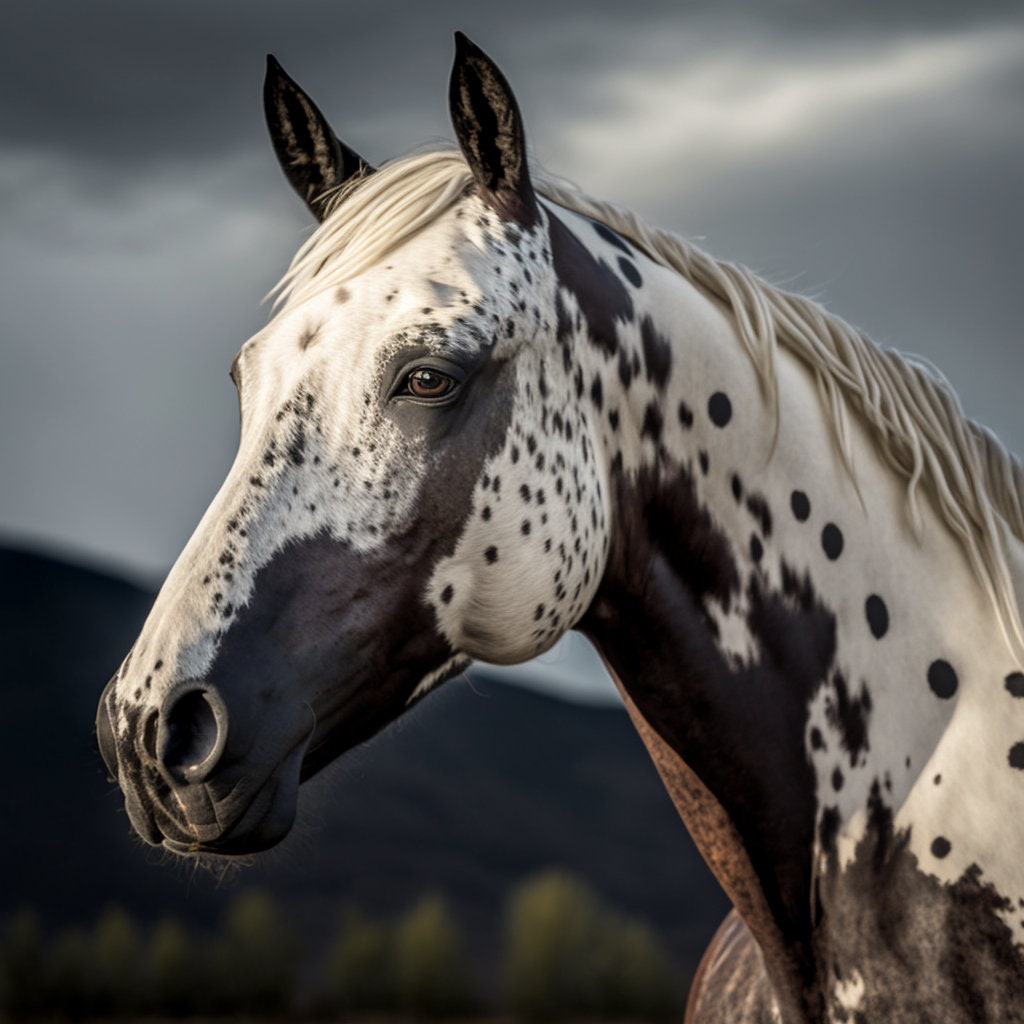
x=566, y=954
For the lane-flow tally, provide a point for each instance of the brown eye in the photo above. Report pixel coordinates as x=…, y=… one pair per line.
x=426, y=383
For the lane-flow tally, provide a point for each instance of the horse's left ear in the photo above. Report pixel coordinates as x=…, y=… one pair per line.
x=312, y=157
x=489, y=128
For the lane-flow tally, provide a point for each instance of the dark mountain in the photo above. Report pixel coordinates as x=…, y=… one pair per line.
x=476, y=788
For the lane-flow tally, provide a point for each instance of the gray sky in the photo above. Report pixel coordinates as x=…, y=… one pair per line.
x=872, y=158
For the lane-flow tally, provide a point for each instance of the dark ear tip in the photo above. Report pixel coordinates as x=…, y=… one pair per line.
x=465, y=47
x=273, y=64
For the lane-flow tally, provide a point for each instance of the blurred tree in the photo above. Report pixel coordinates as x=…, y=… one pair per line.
x=255, y=959
x=556, y=947
x=429, y=966
x=71, y=975
x=568, y=955
x=176, y=984
x=22, y=983
x=639, y=983
x=117, y=964
x=360, y=971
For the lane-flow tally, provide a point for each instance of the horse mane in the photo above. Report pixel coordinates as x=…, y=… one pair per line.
x=917, y=421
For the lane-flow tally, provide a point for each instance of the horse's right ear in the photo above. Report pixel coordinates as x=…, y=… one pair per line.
x=312, y=157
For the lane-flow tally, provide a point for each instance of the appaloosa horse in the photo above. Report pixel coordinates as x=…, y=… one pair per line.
x=491, y=409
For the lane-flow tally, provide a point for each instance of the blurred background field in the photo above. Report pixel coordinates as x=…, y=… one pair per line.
x=498, y=850
x=565, y=955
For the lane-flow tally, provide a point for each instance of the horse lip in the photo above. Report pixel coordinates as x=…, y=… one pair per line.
x=244, y=832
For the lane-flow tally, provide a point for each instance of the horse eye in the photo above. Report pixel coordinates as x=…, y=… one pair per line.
x=427, y=383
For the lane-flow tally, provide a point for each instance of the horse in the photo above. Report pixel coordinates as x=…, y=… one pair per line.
x=490, y=409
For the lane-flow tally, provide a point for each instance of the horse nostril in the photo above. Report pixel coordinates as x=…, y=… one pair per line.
x=192, y=734
x=150, y=731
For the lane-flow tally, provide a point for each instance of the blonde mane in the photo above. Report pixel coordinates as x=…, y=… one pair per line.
x=920, y=428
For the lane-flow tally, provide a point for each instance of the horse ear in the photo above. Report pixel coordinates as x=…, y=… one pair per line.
x=489, y=128
x=311, y=155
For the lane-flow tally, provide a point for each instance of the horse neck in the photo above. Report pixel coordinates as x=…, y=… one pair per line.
x=797, y=724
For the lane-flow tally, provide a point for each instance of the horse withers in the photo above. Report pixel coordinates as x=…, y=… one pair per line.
x=490, y=409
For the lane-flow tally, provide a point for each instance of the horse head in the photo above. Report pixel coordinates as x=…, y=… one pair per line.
x=403, y=499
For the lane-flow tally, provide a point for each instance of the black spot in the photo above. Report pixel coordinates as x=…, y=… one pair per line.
x=837, y=780
x=611, y=237
x=849, y=715
x=485, y=513
x=940, y=846
x=625, y=372
x=652, y=422
x=296, y=446
x=491, y=554
x=756, y=548
x=704, y=464
x=832, y=541
x=942, y=679
x=539, y=613
x=1015, y=684
x=737, y=487
x=629, y=271
x=757, y=506
x=447, y=594
x=878, y=616
x=308, y=337
x=817, y=740
x=657, y=353
x=720, y=408
x=1017, y=755
x=801, y=505
x=597, y=393
x=613, y=418
x=515, y=454
x=685, y=415
x=525, y=528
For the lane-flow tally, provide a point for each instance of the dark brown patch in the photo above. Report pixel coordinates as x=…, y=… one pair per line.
x=599, y=291
x=725, y=720
x=932, y=951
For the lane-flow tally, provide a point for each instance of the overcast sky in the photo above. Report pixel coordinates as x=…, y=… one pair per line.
x=873, y=159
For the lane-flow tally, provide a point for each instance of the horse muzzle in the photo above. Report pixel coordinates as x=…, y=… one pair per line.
x=193, y=780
